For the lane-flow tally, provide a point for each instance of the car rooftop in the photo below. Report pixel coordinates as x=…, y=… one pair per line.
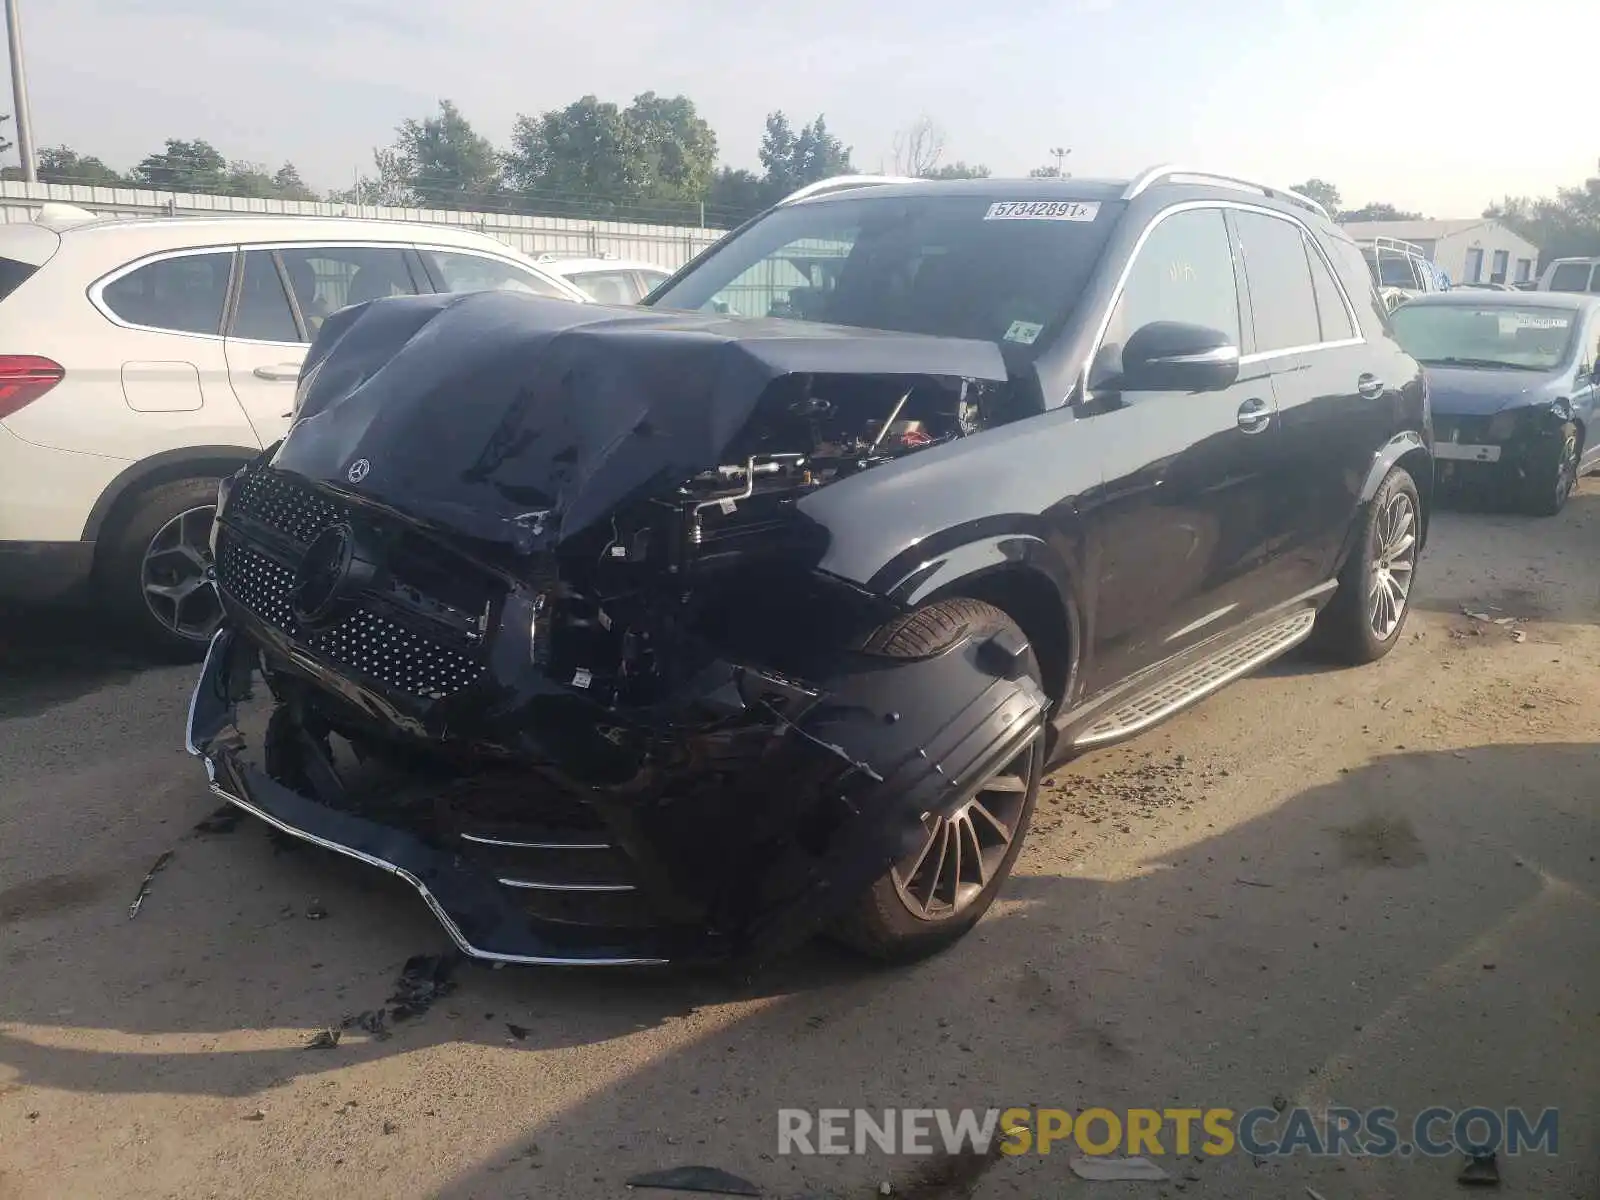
x=1071, y=188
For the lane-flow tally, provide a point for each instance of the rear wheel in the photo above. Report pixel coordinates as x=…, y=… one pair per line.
x=1363, y=621
x=157, y=574
x=1552, y=474
x=941, y=889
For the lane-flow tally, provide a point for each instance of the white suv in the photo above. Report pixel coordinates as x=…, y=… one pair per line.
x=143, y=360
x=608, y=280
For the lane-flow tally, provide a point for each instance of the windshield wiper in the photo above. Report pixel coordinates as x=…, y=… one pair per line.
x=1493, y=364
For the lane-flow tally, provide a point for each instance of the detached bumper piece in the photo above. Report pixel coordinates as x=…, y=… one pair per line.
x=740, y=832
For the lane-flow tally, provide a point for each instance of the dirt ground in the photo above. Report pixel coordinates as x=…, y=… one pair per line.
x=1367, y=887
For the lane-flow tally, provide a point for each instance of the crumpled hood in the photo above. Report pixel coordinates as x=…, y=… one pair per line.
x=1481, y=392
x=480, y=411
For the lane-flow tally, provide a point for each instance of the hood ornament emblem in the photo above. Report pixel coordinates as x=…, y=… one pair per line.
x=358, y=470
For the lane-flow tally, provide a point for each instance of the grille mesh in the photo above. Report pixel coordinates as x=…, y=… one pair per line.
x=382, y=649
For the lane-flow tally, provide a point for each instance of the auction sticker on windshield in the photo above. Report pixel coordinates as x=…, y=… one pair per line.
x=1042, y=210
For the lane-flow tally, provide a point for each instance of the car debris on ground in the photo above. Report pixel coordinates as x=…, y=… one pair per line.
x=149, y=878
x=696, y=1179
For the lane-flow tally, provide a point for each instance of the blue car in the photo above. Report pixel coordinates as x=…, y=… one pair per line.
x=1513, y=378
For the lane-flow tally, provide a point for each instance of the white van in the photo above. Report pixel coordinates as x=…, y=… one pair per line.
x=1571, y=275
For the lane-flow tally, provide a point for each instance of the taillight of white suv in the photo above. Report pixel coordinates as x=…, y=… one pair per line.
x=24, y=378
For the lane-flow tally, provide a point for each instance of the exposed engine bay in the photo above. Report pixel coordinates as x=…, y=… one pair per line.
x=727, y=548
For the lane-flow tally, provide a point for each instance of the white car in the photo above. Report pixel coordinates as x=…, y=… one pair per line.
x=143, y=360
x=608, y=280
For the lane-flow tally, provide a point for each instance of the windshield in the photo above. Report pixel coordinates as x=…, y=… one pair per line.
x=954, y=266
x=1489, y=336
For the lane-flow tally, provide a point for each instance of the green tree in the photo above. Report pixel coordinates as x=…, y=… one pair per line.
x=1050, y=172
x=736, y=195
x=959, y=170
x=439, y=162
x=58, y=164
x=792, y=160
x=1378, y=211
x=1564, y=225
x=1323, y=192
x=182, y=166
x=655, y=156
x=288, y=185
x=675, y=148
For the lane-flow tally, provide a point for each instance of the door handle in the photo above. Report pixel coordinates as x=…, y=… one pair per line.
x=1370, y=386
x=280, y=373
x=1254, y=415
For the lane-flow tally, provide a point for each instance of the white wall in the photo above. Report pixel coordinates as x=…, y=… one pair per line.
x=1452, y=252
x=667, y=245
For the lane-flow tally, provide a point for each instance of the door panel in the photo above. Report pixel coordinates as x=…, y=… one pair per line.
x=1178, y=526
x=1308, y=338
x=265, y=346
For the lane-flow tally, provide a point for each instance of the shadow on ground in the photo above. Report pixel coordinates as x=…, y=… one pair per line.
x=1420, y=931
x=51, y=656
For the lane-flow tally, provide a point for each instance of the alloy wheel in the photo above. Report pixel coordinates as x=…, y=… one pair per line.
x=964, y=849
x=177, y=577
x=1393, y=562
x=1567, y=469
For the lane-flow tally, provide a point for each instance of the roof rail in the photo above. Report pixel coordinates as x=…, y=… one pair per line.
x=1396, y=244
x=1168, y=170
x=840, y=183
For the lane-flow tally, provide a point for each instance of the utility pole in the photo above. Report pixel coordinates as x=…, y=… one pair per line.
x=19, y=92
x=1059, y=153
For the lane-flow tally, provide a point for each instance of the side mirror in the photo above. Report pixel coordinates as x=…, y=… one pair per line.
x=1170, y=356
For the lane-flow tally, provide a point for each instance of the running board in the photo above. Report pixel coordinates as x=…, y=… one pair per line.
x=1194, y=682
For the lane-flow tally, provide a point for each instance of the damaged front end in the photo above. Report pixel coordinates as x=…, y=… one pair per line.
x=536, y=605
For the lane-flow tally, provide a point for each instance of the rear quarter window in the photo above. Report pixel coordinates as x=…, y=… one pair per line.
x=14, y=274
x=182, y=294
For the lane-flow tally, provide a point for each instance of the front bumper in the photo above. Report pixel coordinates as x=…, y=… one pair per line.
x=745, y=834
x=1504, y=446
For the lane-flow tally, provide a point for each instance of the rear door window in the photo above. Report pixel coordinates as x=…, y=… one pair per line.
x=264, y=314
x=180, y=294
x=1281, y=293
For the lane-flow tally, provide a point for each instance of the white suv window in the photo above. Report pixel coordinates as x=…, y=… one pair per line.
x=459, y=272
x=183, y=293
x=263, y=314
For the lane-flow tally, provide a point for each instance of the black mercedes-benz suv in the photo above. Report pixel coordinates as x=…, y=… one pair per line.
x=630, y=635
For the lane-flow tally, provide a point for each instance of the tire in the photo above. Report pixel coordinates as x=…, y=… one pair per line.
x=1552, y=475
x=890, y=923
x=161, y=543
x=1348, y=630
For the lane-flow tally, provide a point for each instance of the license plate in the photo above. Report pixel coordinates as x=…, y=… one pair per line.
x=1462, y=453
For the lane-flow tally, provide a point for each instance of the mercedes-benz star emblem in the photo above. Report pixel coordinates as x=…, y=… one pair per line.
x=358, y=470
x=319, y=581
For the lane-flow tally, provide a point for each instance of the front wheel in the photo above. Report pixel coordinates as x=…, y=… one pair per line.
x=1552, y=475
x=936, y=893
x=1363, y=621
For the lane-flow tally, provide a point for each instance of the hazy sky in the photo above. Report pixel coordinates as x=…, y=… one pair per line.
x=1436, y=105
